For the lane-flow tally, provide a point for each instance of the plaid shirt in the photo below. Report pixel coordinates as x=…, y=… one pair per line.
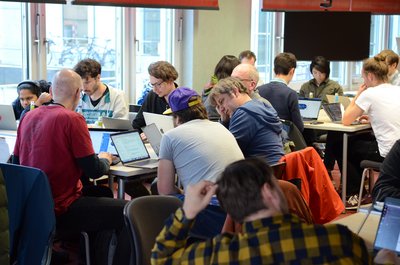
x=280, y=239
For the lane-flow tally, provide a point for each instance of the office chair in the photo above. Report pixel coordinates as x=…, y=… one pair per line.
x=294, y=135
x=31, y=214
x=369, y=167
x=145, y=217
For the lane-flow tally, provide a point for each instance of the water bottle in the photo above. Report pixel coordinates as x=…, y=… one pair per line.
x=336, y=97
x=311, y=95
x=32, y=105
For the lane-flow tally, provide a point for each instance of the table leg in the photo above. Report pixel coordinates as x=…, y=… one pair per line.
x=344, y=167
x=121, y=188
x=111, y=181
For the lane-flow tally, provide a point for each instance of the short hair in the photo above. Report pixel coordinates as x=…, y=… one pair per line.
x=163, y=70
x=377, y=66
x=226, y=86
x=225, y=66
x=321, y=64
x=283, y=62
x=88, y=68
x=389, y=56
x=194, y=112
x=240, y=184
x=247, y=54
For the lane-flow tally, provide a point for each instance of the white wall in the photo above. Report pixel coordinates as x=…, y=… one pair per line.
x=209, y=35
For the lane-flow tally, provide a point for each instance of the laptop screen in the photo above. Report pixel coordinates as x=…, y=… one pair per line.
x=101, y=140
x=388, y=233
x=164, y=123
x=309, y=107
x=130, y=146
x=333, y=110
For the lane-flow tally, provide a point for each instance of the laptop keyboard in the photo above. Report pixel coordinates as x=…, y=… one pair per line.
x=143, y=163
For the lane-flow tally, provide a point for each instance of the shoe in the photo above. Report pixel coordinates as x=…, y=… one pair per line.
x=352, y=202
x=367, y=199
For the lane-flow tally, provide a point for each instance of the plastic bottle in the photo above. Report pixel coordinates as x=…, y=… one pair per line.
x=99, y=122
x=311, y=95
x=32, y=105
x=336, y=97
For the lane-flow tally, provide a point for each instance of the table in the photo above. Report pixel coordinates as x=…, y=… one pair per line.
x=327, y=125
x=368, y=231
x=7, y=143
x=124, y=174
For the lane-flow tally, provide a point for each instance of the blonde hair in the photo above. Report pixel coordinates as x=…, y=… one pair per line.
x=377, y=66
x=226, y=86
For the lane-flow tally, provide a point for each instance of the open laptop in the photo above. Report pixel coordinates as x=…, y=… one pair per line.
x=154, y=136
x=113, y=123
x=132, y=151
x=333, y=111
x=309, y=108
x=101, y=140
x=7, y=118
x=345, y=101
x=388, y=233
x=164, y=122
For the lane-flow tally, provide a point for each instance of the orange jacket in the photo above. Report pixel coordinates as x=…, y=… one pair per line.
x=316, y=186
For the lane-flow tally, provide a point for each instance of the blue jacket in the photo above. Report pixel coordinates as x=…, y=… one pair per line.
x=257, y=129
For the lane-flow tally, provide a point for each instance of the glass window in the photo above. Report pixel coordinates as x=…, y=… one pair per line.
x=13, y=63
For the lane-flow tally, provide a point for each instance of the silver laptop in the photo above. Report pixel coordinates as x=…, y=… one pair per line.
x=388, y=233
x=119, y=124
x=154, y=136
x=132, y=151
x=7, y=118
x=164, y=122
x=101, y=140
x=345, y=101
x=333, y=111
x=309, y=108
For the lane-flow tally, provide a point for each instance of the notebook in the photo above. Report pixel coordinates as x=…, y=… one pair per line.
x=101, y=140
x=388, y=233
x=309, y=108
x=154, y=136
x=345, y=101
x=164, y=123
x=132, y=151
x=333, y=111
x=113, y=123
x=7, y=118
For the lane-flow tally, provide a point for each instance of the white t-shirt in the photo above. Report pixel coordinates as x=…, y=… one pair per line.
x=382, y=104
x=199, y=150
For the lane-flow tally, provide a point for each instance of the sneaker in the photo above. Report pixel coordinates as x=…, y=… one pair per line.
x=352, y=202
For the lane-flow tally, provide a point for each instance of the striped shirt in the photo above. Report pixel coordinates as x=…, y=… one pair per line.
x=280, y=239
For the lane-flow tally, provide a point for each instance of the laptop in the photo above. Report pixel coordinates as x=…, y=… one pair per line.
x=7, y=118
x=101, y=140
x=164, y=122
x=333, y=111
x=345, y=101
x=132, y=151
x=154, y=136
x=388, y=233
x=113, y=123
x=309, y=108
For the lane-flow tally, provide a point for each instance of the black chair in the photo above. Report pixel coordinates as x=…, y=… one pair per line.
x=31, y=214
x=145, y=217
x=294, y=135
x=369, y=167
x=134, y=107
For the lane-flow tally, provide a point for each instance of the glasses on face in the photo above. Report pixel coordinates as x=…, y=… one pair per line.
x=153, y=85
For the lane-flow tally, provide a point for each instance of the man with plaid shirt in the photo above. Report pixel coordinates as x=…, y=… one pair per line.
x=248, y=191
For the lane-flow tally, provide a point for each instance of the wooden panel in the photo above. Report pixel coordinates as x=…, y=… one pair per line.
x=184, y=4
x=373, y=6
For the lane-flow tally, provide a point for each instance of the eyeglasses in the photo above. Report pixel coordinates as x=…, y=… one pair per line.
x=246, y=79
x=156, y=84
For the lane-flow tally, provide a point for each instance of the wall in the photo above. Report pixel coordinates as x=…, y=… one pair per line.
x=208, y=35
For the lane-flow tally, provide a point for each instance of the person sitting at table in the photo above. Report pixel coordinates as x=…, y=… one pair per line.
x=249, y=193
x=320, y=85
x=98, y=99
x=56, y=139
x=193, y=157
x=30, y=91
x=388, y=183
x=376, y=102
x=255, y=124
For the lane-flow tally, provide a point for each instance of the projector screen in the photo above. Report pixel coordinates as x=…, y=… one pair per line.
x=338, y=36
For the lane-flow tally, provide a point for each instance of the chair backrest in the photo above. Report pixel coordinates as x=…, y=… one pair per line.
x=278, y=169
x=31, y=214
x=134, y=107
x=4, y=221
x=145, y=217
x=294, y=135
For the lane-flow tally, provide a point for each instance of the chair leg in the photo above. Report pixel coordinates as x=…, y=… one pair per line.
x=364, y=174
x=87, y=247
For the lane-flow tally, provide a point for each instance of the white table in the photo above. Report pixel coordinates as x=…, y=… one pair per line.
x=368, y=231
x=9, y=137
x=327, y=125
